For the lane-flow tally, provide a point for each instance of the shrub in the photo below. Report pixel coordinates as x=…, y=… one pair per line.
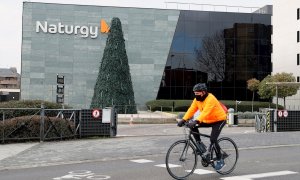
x=10, y=113
x=167, y=105
x=183, y=105
x=28, y=128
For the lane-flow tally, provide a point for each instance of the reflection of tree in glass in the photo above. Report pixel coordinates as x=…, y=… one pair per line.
x=211, y=57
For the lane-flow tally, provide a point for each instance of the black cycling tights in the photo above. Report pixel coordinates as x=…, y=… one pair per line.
x=215, y=132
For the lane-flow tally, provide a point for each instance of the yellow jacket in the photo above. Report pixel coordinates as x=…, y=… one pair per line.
x=210, y=108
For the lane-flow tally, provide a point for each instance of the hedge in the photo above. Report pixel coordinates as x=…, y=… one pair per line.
x=27, y=104
x=183, y=105
x=24, y=124
x=28, y=128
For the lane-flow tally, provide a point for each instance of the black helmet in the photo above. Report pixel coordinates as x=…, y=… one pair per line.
x=200, y=87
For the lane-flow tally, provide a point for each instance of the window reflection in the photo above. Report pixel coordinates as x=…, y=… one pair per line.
x=222, y=56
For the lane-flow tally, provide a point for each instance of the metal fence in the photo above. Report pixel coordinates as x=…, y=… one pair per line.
x=273, y=120
x=213, y=7
x=20, y=124
x=262, y=122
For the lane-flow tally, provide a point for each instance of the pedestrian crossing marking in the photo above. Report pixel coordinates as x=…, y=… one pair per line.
x=141, y=161
x=170, y=165
x=261, y=175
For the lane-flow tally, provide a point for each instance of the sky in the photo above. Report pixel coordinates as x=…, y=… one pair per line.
x=11, y=18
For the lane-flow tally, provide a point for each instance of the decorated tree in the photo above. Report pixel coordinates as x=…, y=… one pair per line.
x=113, y=86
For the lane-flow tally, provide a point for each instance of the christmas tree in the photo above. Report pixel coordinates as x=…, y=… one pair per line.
x=113, y=86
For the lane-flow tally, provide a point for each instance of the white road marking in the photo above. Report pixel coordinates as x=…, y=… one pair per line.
x=261, y=175
x=141, y=161
x=82, y=174
x=170, y=165
x=202, y=171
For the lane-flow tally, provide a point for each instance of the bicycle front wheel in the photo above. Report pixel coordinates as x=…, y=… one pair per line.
x=229, y=153
x=181, y=159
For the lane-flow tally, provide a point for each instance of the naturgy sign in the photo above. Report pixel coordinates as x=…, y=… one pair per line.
x=83, y=31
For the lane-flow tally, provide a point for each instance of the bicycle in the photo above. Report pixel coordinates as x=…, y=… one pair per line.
x=182, y=156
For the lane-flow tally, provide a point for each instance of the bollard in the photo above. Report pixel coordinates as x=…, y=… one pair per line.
x=230, y=116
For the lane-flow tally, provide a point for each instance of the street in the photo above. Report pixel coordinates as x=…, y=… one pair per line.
x=266, y=163
x=262, y=156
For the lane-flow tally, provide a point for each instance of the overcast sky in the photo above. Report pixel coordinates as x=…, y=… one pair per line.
x=11, y=19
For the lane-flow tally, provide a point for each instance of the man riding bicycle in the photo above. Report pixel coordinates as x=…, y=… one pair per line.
x=212, y=115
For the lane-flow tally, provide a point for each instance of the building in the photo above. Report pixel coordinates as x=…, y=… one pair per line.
x=168, y=51
x=9, y=84
x=286, y=44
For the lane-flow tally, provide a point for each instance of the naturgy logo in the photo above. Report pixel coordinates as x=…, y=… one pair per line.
x=84, y=31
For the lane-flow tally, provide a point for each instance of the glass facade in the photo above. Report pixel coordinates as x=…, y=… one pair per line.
x=148, y=35
x=168, y=51
x=221, y=49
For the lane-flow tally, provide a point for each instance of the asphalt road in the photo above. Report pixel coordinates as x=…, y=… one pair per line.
x=278, y=162
x=139, y=152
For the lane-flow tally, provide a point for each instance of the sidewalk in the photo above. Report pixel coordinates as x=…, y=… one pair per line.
x=132, y=140
x=143, y=126
x=158, y=117
x=7, y=150
x=146, y=117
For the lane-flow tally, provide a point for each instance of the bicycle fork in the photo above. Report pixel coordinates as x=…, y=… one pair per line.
x=184, y=152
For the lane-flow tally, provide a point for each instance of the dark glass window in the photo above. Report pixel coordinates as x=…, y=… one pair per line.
x=298, y=79
x=298, y=36
x=298, y=59
x=298, y=13
x=223, y=50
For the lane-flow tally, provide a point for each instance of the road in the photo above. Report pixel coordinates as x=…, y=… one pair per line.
x=281, y=162
x=262, y=156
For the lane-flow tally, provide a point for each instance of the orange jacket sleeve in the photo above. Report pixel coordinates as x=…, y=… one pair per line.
x=191, y=111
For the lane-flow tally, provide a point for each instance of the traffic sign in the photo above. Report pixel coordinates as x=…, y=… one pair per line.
x=280, y=113
x=285, y=113
x=96, y=113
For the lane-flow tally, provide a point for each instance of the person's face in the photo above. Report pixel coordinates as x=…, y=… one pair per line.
x=199, y=93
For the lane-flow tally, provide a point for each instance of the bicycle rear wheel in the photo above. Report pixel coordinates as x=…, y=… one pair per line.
x=181, y=159
x=229, y=153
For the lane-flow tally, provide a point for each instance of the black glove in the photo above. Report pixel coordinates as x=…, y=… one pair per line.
x=181, y=123
x=192, y=124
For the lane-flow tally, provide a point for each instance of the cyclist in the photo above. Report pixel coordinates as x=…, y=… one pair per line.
x=212, y=115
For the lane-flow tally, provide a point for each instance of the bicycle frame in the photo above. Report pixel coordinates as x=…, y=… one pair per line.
x=190, y=138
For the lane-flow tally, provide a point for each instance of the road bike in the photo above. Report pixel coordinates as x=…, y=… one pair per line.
x=182, y=156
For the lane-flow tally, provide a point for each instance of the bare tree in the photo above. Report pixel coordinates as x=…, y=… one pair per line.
x=211, y=57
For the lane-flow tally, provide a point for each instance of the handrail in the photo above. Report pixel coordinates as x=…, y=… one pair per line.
x=212, y=5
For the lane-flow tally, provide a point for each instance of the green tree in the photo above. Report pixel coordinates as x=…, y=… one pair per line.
x=113, y=86
x=265, y=91
x=285, y=90
x=252, y=85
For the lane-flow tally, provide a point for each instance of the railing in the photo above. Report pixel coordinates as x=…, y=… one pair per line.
x=210, y=7
x=20, y=124
x=41, y=124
